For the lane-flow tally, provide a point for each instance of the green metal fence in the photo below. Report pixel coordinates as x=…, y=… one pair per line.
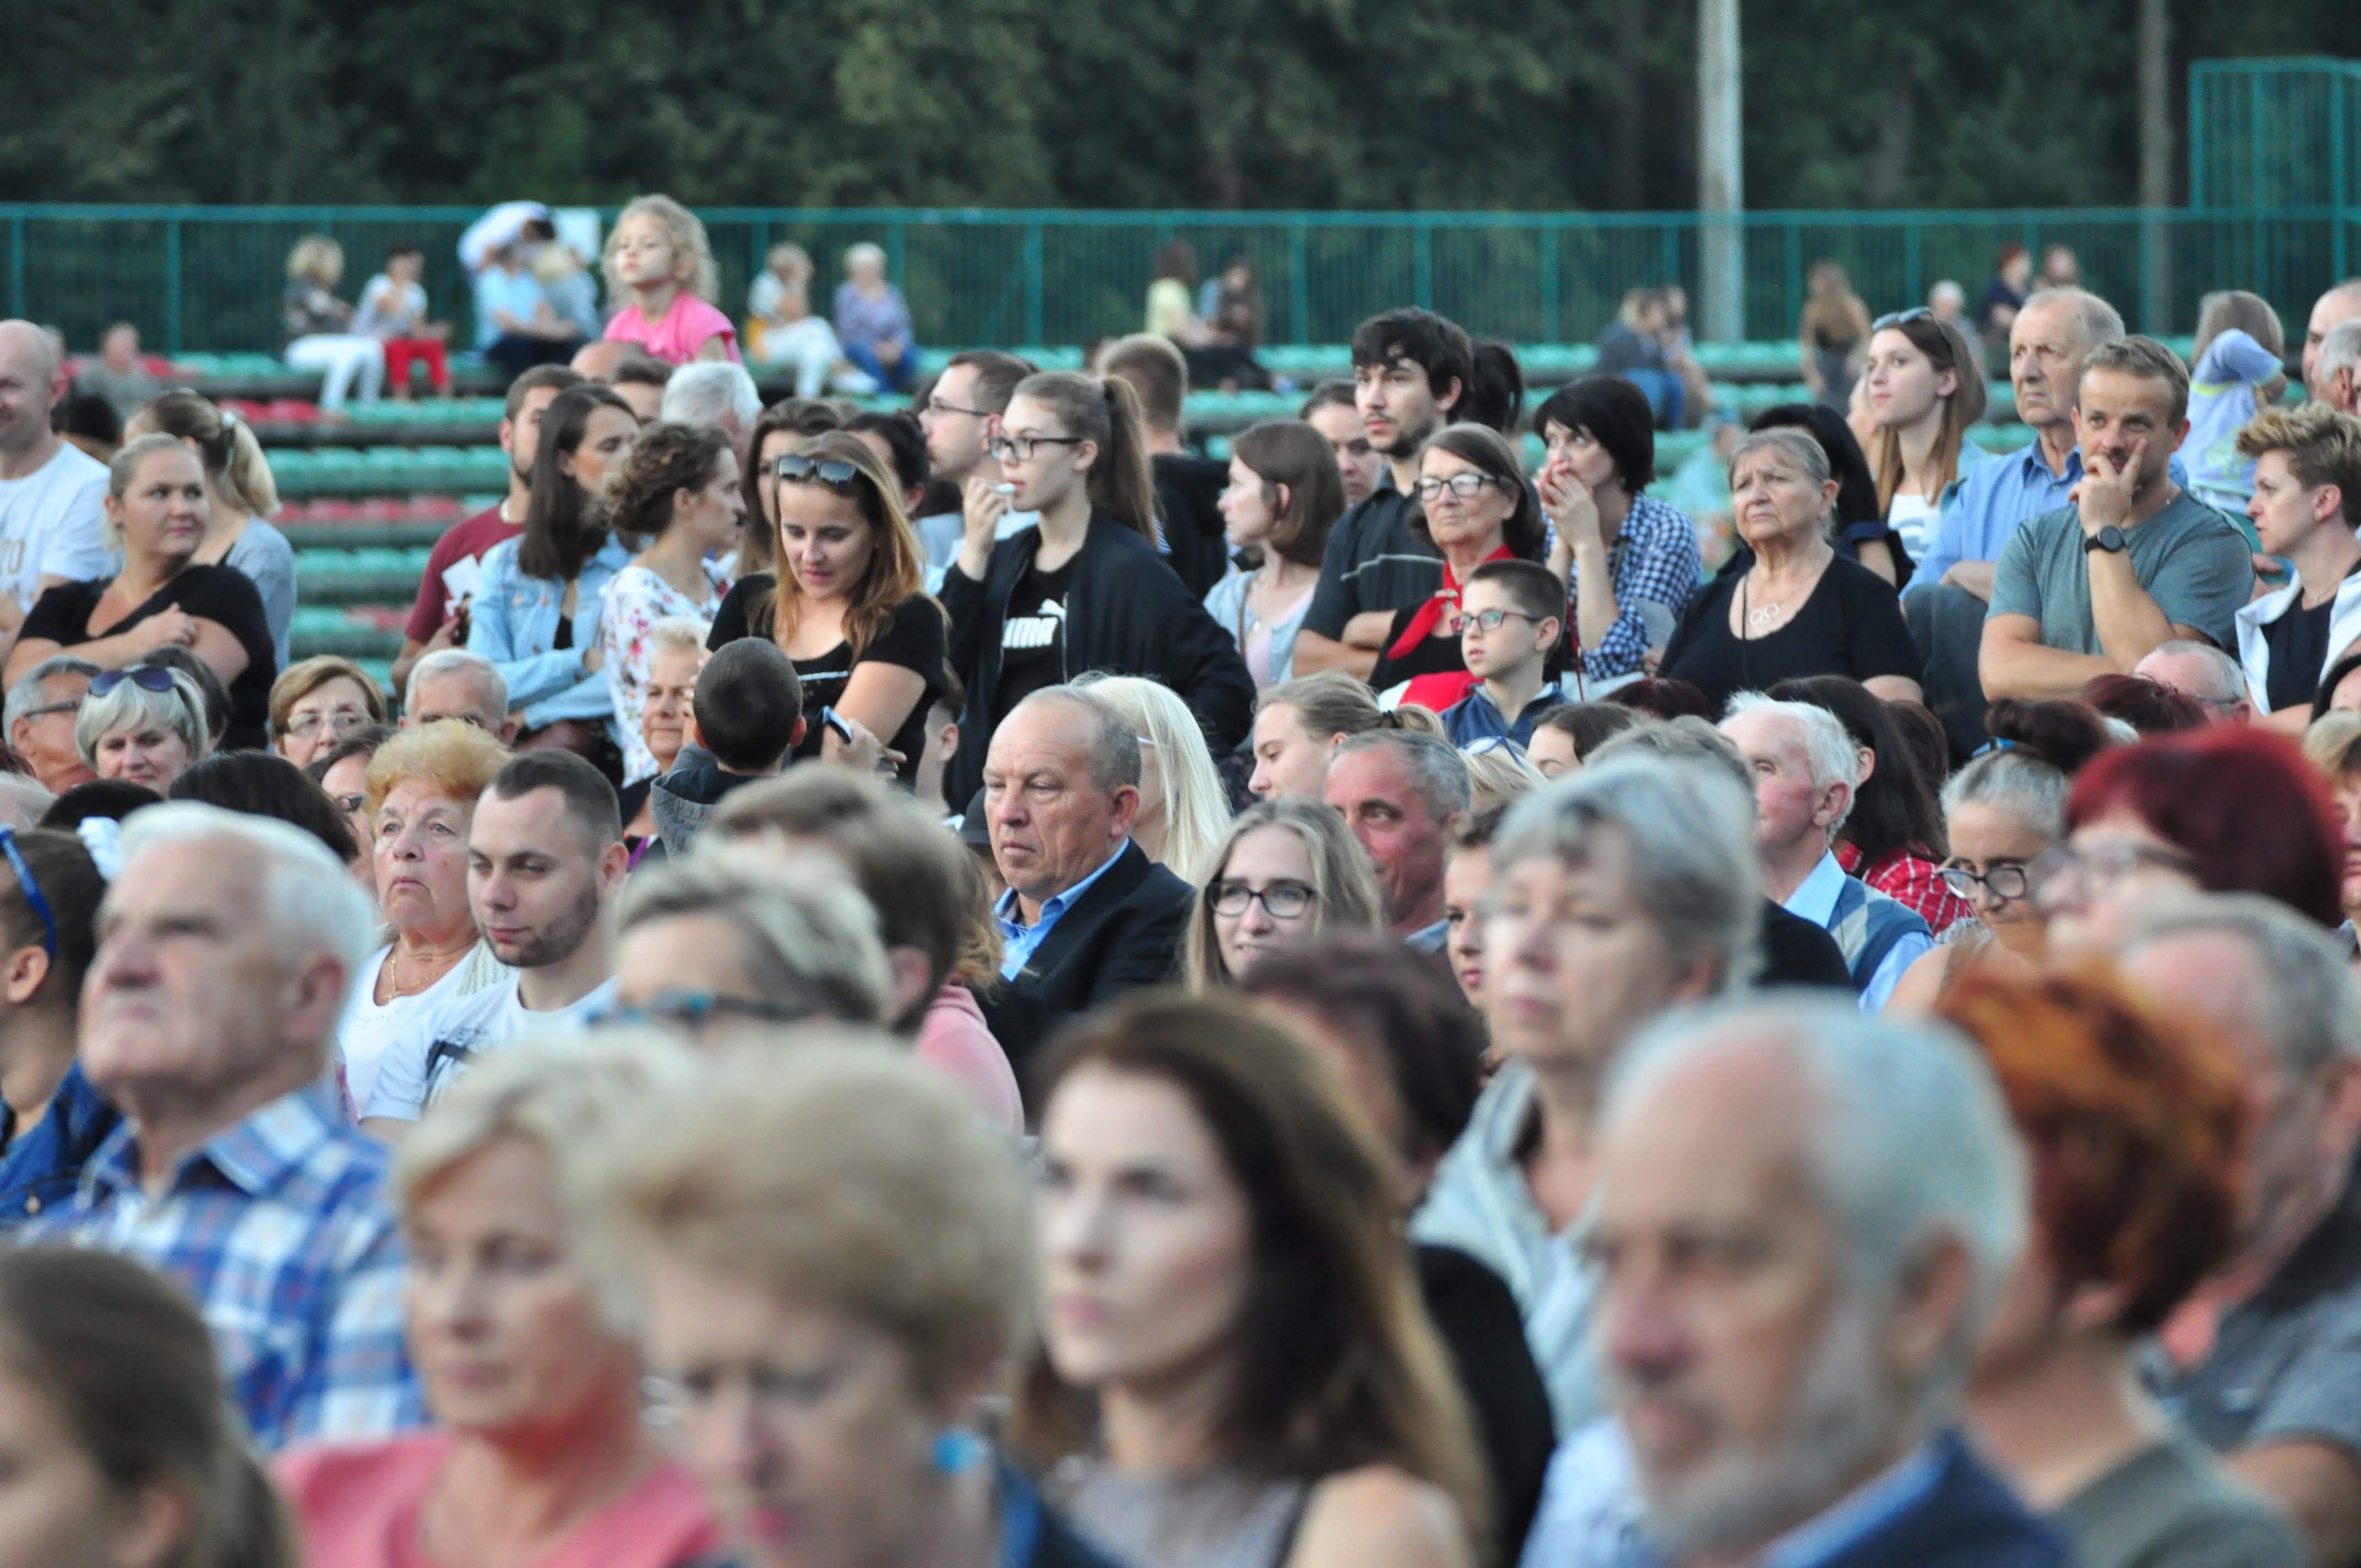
x=2275, y=133
x=201, y=278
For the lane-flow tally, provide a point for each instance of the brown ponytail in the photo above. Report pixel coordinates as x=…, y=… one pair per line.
x=233, y=457
x=1104, y=410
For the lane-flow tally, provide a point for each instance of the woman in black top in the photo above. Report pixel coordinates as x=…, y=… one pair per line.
x=1801, y=608
x=157, y=507
x=1086, y=588
x=847, y=604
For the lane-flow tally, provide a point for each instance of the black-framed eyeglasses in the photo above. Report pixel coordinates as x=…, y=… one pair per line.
x=2006, y=883
x=147, y=677
x=1022, y=448
x=936, y=406
x=795, y=468
x=49, y=708
x=695, y=1009
x=1466, y=487
x=32, y=889
x=1901, y=318
x=1491, y=620
x=1281, y=900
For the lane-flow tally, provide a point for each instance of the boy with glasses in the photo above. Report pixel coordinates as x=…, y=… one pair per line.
x=1511, y=616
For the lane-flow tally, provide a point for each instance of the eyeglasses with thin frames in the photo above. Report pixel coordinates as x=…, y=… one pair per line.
x=1490, y=621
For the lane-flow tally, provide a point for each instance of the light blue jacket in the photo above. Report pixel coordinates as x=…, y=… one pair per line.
x=514, y=624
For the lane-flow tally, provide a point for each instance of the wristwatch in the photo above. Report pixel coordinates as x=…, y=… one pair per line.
x=2109, y=539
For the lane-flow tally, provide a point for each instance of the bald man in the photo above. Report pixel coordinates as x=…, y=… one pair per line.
x=52, y=495
x=2339, y=305
x=598, y=358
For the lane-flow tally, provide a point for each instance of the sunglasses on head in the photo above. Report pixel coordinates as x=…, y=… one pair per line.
x=1901, y=318
x=795, y=468
x=147, y=677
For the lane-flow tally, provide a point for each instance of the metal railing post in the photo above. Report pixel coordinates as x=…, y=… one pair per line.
x=172, y=343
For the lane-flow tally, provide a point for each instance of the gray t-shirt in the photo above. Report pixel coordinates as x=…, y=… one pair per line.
x=2172, y=1505
x=2192, y=560
x=263, y=553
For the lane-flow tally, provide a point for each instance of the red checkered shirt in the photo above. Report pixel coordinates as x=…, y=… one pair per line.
x=1910, y=877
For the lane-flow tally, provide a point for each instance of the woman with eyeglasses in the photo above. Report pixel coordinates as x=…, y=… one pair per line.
x=848, y=603
x=318, y=703
x=1084, y=589
x=679, y=494
x=536, y=607
x=146, y=726
x=541, y=1456
x=1474, y=507
x=1925, y=394
x=2002, y=812
x=2229, y=809
x=1290, y=869
x=157, y=504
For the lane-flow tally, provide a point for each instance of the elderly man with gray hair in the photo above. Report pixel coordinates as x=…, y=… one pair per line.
x=1806, y=770
x=1402, y=793
x=452, y=683
x=716, y=394
x=1087, y=915
x=38, y=721
x=2336, y=373
x=1804, y=1223
x=226, y=949
x=1618, y=893
x=2271, y=1378
x=2205, y=675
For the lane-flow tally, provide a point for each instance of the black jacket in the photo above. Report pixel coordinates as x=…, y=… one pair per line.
x=681, y=800
x=1123, y=934
x=1189, y=495
x=1126, y=614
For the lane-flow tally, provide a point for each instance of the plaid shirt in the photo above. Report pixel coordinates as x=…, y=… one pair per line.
x=1913, y=880
x=1653, y=558
x=281, y=1229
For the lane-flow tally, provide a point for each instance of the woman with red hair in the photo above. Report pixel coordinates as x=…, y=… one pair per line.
x=2228, y=809
x=2134, y=1126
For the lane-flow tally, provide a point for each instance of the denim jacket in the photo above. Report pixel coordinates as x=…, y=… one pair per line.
x=43, y=1164
x=514, y=624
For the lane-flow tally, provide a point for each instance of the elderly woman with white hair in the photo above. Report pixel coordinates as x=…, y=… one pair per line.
x=157, y=508
x=145, y=725
x=540, y=1454
x=1618, y=893
x=1801, y=608
x=873, y=323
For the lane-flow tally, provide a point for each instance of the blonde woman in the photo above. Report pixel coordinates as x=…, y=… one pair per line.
x=319, y=326
x=1287, y=869
x=658, y=260
x=242, y=494
x=1184, y=811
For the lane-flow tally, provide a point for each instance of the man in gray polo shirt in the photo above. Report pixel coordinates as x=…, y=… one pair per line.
x=2133, y=562
x=2267, y=1374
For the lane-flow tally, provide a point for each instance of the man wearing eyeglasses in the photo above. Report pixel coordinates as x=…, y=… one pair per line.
x=39, y=721
x=961, y=417
x=452, y=683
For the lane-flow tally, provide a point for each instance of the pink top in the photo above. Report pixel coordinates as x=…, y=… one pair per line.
x=953, y=1038
x=358, y=1506
x=678, y=333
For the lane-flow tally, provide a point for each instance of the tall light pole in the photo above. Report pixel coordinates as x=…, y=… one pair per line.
x=1721, y=173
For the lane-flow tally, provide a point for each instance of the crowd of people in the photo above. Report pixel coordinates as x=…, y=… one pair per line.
x=965, y=985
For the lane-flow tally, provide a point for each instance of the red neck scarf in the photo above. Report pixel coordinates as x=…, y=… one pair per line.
x=1439, y=691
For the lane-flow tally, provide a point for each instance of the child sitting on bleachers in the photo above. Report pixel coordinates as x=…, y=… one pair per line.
x=658, y=262
x=393, y=309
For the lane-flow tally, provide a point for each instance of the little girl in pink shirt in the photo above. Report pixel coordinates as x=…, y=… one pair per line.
x=657, y=254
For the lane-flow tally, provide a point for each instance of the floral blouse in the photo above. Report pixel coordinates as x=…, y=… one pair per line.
x=636, y=600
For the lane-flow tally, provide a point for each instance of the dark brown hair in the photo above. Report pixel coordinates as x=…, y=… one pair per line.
x=1946, y=349
x=1104, y=410
x=563, y=525
x=1291, y=452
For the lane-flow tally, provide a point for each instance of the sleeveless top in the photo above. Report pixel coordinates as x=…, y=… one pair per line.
x=1211, y=1519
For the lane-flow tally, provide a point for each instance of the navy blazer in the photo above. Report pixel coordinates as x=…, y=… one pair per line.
x=1969, y=1519
x=1123, y=934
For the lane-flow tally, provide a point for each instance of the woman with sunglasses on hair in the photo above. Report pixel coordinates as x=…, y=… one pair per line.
x=1924, y=394
x=1084, y=589
x=848, y=603
x=145, y=725
x=678, y=492
x=157, y=507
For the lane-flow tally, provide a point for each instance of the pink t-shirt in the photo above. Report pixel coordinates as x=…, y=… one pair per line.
x=358, y=1506
x=678, y=333
x=954, y=1040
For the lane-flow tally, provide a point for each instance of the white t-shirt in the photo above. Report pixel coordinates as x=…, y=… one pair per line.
x=1914, y=518
x=49, y=524
x=416, y=1073
x=390, y=308
x=371, y=1028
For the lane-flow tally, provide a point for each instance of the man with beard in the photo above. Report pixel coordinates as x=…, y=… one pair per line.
x=435, y=618
x=1805, y=1220
x=546, y=864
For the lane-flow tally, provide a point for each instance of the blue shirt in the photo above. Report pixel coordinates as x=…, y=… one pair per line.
x=1985, y=506
x=44, y=1162
x=517, y=293
x=1020, y=941
x=283, y=1230
x=1814, y=899
x=1654, y=560
x=1476, y=717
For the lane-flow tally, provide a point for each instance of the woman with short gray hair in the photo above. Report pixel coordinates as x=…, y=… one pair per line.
x=1800, y=608
x=1618, y=893
x=145, y=725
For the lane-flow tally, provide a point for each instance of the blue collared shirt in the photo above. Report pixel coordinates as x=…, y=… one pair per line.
x=1832, y=1534
x=44, y=1162
x=1814, y=899
x=283, y=1230
x=1654, y=559
x=1989, y=503
x=1020, y=941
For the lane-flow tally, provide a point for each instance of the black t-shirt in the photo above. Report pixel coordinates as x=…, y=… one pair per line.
x=913, y=637
x=1033, y=635
x=2299, y=643
x=1479, y=1323
x=1375, y=560
x=220, y=594
x=1851, y=625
